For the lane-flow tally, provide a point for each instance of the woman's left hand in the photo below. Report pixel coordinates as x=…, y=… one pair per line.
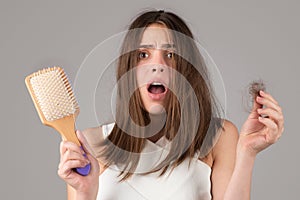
x=257, y=133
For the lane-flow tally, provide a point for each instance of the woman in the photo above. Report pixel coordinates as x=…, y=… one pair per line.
x=168, y=140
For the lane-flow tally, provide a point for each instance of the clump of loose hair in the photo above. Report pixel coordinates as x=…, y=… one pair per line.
x=252, y=91
x=255, y=87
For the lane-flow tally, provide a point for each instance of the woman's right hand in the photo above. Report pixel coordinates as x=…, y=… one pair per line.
x=72, y=156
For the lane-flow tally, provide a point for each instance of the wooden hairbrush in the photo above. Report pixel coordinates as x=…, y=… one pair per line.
x=55, y=103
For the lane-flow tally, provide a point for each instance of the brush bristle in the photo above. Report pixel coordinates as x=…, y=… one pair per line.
x=53, y=93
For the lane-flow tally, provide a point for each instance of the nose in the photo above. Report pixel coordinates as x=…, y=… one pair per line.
x=158, y=61
x=158, y=68
x=158, y=57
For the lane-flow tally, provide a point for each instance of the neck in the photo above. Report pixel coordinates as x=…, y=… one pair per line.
x=155, y=128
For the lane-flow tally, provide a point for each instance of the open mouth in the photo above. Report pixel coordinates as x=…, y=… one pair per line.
x=156, y=88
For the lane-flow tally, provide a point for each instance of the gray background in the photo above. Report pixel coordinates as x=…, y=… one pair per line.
x=246, y=39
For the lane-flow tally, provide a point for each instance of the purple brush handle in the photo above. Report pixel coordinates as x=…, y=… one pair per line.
x=84, y=171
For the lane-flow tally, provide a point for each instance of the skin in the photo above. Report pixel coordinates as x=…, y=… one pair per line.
x=155, y=53
x=231, y=159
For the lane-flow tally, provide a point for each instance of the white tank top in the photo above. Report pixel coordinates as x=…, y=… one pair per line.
x=185, y=182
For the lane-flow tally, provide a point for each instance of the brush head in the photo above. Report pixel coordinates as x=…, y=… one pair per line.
x=52, y=94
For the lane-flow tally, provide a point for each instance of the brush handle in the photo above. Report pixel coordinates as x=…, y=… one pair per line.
x=84, y=171
x=65, y=126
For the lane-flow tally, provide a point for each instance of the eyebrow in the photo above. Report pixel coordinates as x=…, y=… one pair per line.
x=151, y=46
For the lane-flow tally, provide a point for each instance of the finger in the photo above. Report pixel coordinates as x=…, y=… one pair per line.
x=256, y=105
x=72, y=155
x=271, y=113
x=65, y=145
x=67, y=168
x=268, y=96
x=268, y=103
x=276, y=117
x=65, y=165
x=64, y=172
x=273, y=133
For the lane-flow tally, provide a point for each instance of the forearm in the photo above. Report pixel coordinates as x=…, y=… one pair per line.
x=77, y=195
x=81, y=196
x=239, y=186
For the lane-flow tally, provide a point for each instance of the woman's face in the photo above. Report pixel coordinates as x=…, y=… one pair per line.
x=154, y=67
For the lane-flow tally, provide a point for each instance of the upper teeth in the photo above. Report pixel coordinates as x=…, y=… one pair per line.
x=155, y=83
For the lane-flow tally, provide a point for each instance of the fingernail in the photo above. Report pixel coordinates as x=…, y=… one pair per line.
x=259, y=98
x=261, y=92
x=82, y=151
x=259, y=110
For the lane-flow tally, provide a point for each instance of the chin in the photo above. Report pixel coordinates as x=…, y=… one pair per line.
x=156, y=109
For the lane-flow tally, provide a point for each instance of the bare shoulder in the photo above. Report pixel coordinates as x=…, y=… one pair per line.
x=227, y=140
x=223, y=155
x=92, y=130
x=94, y=136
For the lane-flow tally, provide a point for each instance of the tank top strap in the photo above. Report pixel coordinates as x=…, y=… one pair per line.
x=106, y=129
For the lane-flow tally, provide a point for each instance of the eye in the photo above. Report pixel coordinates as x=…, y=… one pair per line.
x=143, y=55
x=170, y=55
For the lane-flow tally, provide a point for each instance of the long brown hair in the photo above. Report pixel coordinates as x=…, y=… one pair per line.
x=187, y=123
